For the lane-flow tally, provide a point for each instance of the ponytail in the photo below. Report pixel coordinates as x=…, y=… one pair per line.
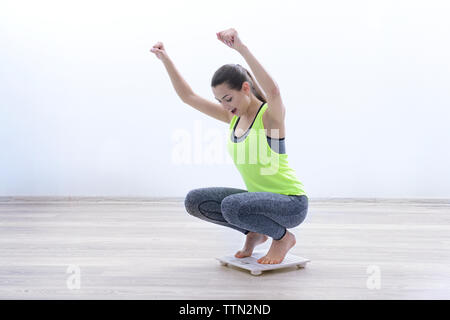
x=255, y=87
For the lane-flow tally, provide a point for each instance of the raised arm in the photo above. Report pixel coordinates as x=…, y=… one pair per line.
x=181, y=86
x=185, y=92
x=276, y=108
x=267, y=83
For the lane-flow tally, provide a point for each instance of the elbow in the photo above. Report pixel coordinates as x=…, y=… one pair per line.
x=186, y=97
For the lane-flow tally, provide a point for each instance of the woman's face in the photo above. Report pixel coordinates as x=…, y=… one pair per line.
x=235, y=102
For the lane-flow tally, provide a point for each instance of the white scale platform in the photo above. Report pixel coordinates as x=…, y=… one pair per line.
x=255, y=268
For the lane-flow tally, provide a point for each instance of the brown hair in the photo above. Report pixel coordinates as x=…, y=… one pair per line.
x=234, y=75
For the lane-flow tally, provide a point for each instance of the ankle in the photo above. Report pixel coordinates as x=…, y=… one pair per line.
x=287, y=236
x=283, y=237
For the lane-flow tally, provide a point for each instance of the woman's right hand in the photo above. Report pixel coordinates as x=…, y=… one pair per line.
x=159, y=51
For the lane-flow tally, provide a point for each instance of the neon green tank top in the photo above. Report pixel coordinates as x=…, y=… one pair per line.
x=261, y=168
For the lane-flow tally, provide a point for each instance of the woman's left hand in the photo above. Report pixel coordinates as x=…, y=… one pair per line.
x=230, y=38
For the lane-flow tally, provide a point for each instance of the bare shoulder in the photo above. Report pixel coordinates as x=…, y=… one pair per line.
x=276, y=112
x=274, y=117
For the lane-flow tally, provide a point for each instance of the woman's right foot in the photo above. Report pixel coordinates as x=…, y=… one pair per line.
x=279, y=249
x=252, y=240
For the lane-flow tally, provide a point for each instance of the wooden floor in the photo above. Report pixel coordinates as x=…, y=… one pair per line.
x=152, y=249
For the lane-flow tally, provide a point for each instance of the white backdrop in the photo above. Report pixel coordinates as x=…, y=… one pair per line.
x=87, y=110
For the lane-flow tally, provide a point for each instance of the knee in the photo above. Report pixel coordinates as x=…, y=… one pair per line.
x=191, y=202
x=298, y=218
x=230, y=209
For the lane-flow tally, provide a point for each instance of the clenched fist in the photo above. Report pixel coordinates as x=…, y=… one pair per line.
x=159, y=50
x=230, y=38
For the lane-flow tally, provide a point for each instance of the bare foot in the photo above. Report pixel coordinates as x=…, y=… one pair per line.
x=278, y=249
x=252, y=240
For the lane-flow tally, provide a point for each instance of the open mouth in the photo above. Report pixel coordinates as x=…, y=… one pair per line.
x=234, y=111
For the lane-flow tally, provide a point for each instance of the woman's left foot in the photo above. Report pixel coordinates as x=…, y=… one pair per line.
x=278, y=249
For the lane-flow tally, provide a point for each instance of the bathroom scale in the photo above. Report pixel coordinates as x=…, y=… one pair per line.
x=251, y=263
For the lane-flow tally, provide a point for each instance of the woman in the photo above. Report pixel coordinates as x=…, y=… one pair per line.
x=274, y=200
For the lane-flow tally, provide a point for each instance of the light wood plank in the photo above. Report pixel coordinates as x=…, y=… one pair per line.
x=150, y=248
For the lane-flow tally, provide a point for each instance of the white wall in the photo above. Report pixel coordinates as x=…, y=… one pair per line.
x=87, y=110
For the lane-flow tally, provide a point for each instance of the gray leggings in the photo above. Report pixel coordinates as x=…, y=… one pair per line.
x=263, y=212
